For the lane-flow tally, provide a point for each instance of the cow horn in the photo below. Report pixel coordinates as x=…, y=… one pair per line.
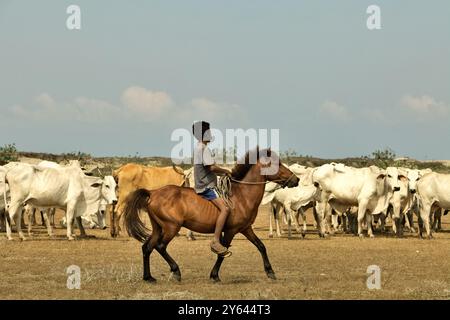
x=177, y=170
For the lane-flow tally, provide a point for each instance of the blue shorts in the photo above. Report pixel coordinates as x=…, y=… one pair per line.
x=209, y=194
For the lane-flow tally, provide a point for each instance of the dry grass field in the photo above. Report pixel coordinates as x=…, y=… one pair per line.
x=310, y=268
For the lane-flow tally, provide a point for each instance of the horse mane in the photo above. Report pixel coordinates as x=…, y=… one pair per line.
x=244, y=165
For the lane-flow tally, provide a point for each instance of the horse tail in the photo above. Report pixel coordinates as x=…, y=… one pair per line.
x=138, y=200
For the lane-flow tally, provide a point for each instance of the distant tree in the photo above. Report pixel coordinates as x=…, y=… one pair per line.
x=8, y=153
x=385, y=154
x=288, y=155
x=383, y=158
x=80, y=156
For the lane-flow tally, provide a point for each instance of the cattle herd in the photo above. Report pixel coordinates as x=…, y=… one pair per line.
x=341, y=197
x=354, y=198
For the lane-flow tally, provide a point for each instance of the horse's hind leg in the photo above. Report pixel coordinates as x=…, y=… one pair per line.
x=147, y=249
x=167, y=235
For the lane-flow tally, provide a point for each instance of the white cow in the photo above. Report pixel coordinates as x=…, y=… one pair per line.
x=292, y=201
x=367, y=188
x=67, y=188
x=47, y=214
x=433, y=191
x=400, y=202
x=96, y=219
x=414, y=175
x=92, y=220
x=305, y=174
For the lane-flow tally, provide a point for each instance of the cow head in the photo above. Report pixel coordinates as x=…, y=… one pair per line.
x=101, y=219
x=414, y=177
x=107, y=187
x=393, y=178
x=109, y=190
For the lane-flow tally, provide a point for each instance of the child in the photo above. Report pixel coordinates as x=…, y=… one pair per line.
x=205, y=176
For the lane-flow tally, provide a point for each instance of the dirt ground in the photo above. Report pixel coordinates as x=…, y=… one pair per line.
x=310, y=268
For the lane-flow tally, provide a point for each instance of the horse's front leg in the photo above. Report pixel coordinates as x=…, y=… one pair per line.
x=251, y=236
x=226, y=241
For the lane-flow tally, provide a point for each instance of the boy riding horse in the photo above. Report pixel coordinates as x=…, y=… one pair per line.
x=205, y=176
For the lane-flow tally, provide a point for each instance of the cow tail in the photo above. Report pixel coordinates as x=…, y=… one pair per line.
x=138, y=200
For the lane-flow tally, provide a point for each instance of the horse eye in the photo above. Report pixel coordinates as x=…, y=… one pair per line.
x=107, y=186
x=417, y=179
x=389, y=176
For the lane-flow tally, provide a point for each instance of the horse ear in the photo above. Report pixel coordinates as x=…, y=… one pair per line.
x=265, y=157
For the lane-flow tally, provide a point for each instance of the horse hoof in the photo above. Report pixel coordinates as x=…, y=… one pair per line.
x=271, y=275
x=361, y=236
x=215, y=279
x=150, y=280
x=71, y=238
x=303, y=235
x=176, y=275
x=270, y=235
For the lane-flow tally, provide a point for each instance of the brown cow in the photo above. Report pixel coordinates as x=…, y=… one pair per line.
x=131, y=177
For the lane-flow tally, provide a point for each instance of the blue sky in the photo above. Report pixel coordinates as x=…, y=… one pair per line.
x=140, y=69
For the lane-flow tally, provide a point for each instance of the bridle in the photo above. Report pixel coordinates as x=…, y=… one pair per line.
x=281, y=185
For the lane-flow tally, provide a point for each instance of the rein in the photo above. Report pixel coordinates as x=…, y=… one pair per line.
x=265, y=182
x=224, y=187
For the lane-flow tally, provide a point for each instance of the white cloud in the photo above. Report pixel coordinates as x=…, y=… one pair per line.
x=143, y=102
x=87, y=109
x=45, y=100
x=425, y=105
x=138, y=104
x=45, y=107
x=206, y=109
x=335, y=110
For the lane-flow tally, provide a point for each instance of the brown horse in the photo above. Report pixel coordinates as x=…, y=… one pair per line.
x=173, y=207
